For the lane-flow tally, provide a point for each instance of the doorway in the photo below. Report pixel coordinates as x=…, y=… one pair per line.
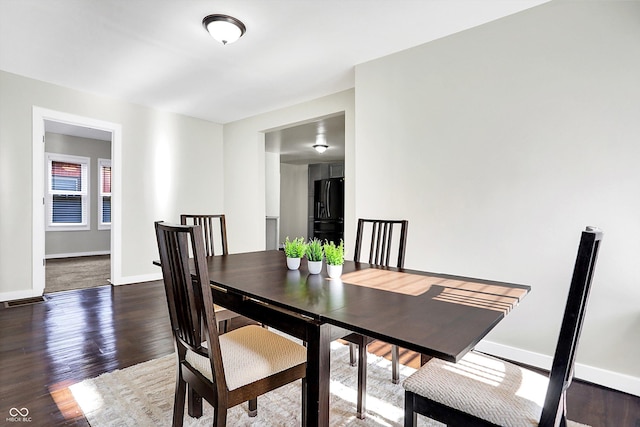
x=78, y=217
x=53, y=133
x=290, y=150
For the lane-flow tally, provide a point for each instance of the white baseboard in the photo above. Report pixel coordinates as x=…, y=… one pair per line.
x=76, y=254
x=128, y=280
x=610, y=379
x=16, y=295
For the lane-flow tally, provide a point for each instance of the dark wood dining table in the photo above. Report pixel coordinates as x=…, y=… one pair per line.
x=437, y=315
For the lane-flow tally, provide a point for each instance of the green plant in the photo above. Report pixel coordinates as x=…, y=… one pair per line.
x=334, y=254
x=314, y=250
x=295, y=248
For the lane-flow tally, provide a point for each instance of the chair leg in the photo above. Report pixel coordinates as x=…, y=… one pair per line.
x=223, y=326
x=304, y=402
x=194, y=403
x=410, y=417
x=178, y=402
x=395, y=365
x=352, y=354
x=362, y=379
x=424, y=359
x=253, y=407
x=563, y=410
x=220, y=417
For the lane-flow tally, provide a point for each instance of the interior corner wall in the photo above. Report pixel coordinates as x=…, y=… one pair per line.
x=294, y=201
x=272, y=184
x=244, y=166
x=171, y=163
x=507, y=140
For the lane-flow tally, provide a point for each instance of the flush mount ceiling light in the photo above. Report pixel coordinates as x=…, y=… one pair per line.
x=321, y=143
x=224, y=28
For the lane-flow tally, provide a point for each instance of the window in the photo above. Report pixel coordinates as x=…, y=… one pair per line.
x=67, y=206
x=104, y=194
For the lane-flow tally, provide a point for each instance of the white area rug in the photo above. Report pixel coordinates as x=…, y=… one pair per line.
x=142, y=395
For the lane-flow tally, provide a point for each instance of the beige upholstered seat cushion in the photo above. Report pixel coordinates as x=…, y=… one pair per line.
x=483, y=386
x=249, y=354
x=223, y=314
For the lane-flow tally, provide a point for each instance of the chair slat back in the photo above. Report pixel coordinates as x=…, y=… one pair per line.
x=173, y=246
x=382, y=243
x=554, y=410
x=188, y=292
x=214, y=232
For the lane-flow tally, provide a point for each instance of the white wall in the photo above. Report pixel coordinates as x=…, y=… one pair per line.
x=501, y=144
x=170, y=164
x=294, y=189
x=244, y=191
x=272, y=184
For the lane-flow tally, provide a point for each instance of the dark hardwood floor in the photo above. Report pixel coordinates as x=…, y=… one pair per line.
x=74, y=335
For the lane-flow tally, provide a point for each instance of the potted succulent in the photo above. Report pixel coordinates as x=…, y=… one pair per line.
x=314, y=254
x=335, y=258
x=294, y=250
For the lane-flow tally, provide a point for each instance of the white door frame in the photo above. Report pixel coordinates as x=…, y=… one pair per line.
x=38, y=226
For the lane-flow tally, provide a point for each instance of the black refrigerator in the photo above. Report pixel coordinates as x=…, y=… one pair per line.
x=328, y=205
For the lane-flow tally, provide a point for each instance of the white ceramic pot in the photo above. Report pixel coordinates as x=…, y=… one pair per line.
x=334, y=271
x=315, y=267
x=293, y=263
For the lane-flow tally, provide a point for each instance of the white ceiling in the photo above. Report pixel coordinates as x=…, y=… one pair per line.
x=73, y=130
x=156, y=52
x=295, y=143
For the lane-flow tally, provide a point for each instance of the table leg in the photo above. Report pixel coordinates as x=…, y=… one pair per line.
x=318, y=375
x=361, y=407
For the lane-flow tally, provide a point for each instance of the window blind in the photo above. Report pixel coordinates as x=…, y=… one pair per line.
x=105, y=191
x=67, y=201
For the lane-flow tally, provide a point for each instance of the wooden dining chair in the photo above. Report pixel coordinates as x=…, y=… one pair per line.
x=225, y=370
x=214, y=235
x=378, y=234
x=214, y=232
x=481, y=390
